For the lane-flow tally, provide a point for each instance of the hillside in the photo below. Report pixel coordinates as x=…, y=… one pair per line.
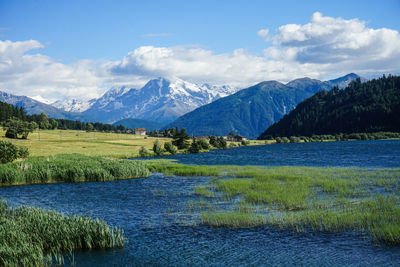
x=138, y=123
x=35, y=107
x=361, y=107
x=250, y=111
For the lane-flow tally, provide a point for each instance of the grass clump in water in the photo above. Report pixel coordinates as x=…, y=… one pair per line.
x=309, y=199
x=70, y=168
x=232, y=219
x=35, y=237
x=203, y=191
x=169, y=168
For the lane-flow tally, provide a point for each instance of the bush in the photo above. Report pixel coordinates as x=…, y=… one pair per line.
x=195, y=147
x=204, y=144
x=23, y=152
x=245, y=143
x=169, y=147
x=143, y=152
x=10, y=152
x=157, y=148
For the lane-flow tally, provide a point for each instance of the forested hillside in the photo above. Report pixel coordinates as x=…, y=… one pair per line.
x=361, y=107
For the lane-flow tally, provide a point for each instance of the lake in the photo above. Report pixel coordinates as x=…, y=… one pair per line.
x=365, y=154
x=162, y=231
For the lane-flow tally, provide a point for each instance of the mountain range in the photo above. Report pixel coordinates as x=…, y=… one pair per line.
x=201, y=109
x=160, y=100
x=35, y=107
x=252, y=110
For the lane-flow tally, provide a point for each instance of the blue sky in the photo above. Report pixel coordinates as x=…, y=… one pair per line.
x=113, y=43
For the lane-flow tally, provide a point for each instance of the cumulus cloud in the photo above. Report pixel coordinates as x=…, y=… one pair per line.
x=324, y=47
x=338, y=44
x=24, y=73
x=194, y=64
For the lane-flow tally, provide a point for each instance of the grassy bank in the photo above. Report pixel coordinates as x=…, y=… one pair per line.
x=70, y=168
x=297, y=198
x=35, y=237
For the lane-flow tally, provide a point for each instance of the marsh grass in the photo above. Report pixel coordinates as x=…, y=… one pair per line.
x=203, y=191
x=35, y=237
x=299, y=198
x=70, y=168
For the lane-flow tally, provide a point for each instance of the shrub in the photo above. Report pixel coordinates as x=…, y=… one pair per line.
x=157, y=148
x=169, y=147
x=245, y=143
x=143, y=152
x=204, y=144
x=195, y=147
x=23, y=152
x=10, y=152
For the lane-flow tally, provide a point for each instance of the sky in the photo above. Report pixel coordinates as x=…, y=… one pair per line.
x=79, y=49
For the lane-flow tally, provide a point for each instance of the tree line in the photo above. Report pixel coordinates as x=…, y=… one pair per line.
x=18, y=124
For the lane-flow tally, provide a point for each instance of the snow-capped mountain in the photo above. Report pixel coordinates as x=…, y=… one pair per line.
x=73, y=105
x=159, y=100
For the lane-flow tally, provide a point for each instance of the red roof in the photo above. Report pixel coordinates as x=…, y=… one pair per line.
x=140, y=129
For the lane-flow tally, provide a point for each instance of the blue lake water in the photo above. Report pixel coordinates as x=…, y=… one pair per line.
x=162, y=232
x=379, y=153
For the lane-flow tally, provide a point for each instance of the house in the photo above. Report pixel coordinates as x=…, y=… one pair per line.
x=140, y=131
x=205, y=137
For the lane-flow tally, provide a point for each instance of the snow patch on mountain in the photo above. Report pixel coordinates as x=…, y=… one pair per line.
x=73, y=105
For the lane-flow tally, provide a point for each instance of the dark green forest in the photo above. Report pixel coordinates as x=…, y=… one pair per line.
x=372, y=106
x=9, y=112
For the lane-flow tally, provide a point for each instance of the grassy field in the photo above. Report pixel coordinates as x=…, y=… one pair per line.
x=53, y=142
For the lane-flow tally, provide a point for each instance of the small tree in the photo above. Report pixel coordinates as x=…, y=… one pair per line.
x=169, y=147
x=15, y=128
x=157, y=148
x=222, y=143
x=10, y=152
x=204, y=144
x=89, y=127
x=213, y=141
x=195, y=147
x=143, y=152
x=181, y=139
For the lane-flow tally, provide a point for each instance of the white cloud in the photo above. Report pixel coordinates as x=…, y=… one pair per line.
x=264, y=33
x=347, y=45
x=24, y=73
x=324, y=47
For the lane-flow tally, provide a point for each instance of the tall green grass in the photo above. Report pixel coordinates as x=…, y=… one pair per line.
x=302, y=198
x=70, y=168
x=35, y=237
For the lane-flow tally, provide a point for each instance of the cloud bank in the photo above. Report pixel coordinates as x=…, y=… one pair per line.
x=324, y=47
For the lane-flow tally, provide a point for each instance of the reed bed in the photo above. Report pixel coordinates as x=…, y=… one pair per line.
x=300, y=198
x=70, y=168
x=35, y=237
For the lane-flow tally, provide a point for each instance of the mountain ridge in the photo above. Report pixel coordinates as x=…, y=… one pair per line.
x=251, y=109
x=359, y=108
